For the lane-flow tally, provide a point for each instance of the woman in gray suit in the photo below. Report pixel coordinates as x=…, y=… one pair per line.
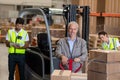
x=72, y=50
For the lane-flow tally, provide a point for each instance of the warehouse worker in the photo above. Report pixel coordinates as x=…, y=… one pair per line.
x=17, y=40
x=72, y=49
x=108, y=43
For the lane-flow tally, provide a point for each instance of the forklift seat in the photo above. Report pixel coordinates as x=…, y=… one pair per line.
x=43, y=45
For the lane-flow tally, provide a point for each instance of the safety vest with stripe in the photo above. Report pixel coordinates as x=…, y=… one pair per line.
x=14, y=39
x=112, y=44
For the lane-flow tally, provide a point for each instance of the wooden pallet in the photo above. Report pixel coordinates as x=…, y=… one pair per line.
x=94, y=41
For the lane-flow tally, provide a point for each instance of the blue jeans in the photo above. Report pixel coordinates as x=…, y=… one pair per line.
x=14, y=59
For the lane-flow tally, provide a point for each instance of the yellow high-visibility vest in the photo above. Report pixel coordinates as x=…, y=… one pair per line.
x=14, y=39
x=112, y=44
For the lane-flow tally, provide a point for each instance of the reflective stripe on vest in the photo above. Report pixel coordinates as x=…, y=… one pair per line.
x=12, y=35
x=112, y=44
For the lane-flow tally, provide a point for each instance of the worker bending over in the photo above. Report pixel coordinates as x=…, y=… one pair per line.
x=108, y=43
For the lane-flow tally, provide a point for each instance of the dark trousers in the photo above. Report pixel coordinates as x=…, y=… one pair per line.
x=14, y=59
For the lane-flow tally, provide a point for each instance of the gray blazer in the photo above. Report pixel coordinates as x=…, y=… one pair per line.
x=79, y=50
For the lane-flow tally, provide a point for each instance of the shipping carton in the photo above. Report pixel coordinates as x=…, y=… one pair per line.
x=109, y=68
x=102, y=76
x=77, y=76
x=104, y=55
x=61, y=75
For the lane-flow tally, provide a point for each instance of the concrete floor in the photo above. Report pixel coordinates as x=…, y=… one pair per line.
x=3, y=62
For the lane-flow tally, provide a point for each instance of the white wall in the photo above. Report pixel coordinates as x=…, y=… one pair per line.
x=27, y=2
x=4, y=10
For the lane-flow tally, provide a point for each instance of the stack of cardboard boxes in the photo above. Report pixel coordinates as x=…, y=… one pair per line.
x=104, y=65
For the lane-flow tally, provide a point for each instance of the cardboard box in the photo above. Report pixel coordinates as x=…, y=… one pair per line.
x=104, y=55
x=101, y=76
x=77, y=76
x=61, y=75
x=109, y=68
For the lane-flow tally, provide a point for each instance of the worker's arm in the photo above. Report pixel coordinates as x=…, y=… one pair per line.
x=118, y=44
x=7, y=43
x=84, y=52
x=15, y=45
x=118, y=48
x=64, y=60
x=76, y=59
x=23, y=47
x=58, y=53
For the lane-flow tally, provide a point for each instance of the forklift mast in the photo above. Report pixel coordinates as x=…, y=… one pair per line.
x=70, y=13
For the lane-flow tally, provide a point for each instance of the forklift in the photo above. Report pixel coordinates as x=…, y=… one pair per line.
x=40, y=62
